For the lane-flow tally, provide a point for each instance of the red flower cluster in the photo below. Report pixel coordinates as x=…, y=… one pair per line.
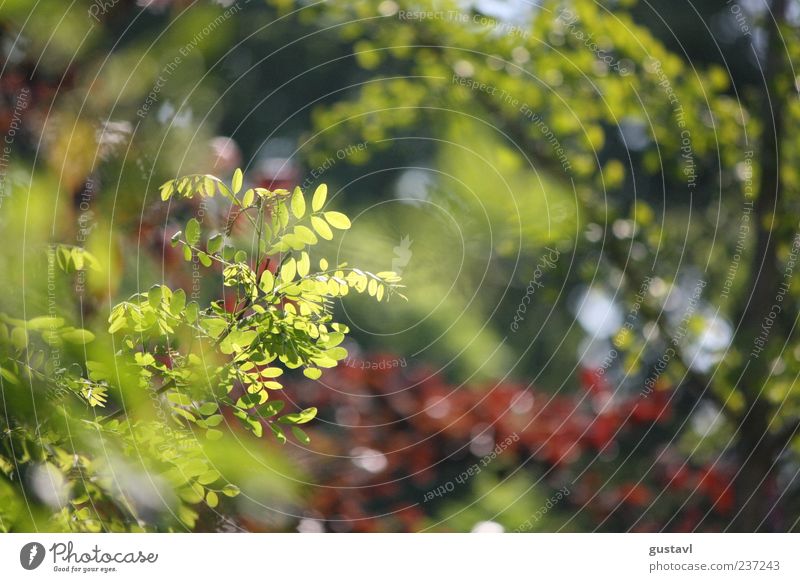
x=385, y=436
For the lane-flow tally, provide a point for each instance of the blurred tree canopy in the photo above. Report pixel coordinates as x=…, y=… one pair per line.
x=643, y=139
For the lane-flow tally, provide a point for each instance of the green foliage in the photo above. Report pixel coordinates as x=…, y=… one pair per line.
x=282, y=318
x=203, y=364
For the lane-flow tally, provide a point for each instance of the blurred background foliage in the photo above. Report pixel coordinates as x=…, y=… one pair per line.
x=468, y=141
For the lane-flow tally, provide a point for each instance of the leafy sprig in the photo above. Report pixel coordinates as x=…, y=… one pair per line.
x=282, y=317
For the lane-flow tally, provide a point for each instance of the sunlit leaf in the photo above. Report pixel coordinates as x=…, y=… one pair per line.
x=78, y=336
x=300, y=435
x=248, y=197
x=318, y=200
x=236, y=183
x=298, y=203
x=301, y=417
x=337, y=220
x=321, y=227
x=192, y=231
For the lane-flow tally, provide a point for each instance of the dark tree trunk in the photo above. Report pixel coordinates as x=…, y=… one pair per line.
x=756, y=450
x=754, y=486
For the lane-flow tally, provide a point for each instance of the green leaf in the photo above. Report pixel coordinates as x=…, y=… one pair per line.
x=187, y=516
x=205, y=260
x=337, y=220
x=238, y=341
x=167, y=189
x=320, y=194
x=95, y=394
x=192, y=231
x=9, y=376
x=313, y=373
x=144, y=359
x=298, y=203
x=337, y=353
x=116, y=324
x=281, y=214
x=288, y=270
x=192, y=312
x=301, y=417
x=209, y=186
x=245, y=337
x=64, y=257
x=45, y=322
x=303, y=264
x=248, y=197
x=292, y=241
x=278, y=432
x=182, y=187
x=179, y=398
x=78, y=336
x=267, y=282
x=77, y=259
x=208, y=477
x=193, y=467
x=212, y=499
x=184, y=414
x=230, y=490
x=334, y=339
x=214, y=243
x=300, y=435
x=177, y=302
x=321, y=227
x=271, y=408
x=305, y=234
x=271, y=372
x=238, y=178
x=190, y=496
x=214, y=326
x=208, y=408
x=154, y=296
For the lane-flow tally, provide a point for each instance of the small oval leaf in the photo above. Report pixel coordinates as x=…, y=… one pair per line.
x=337, y=220
x=236, y=183
x=320, y=194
